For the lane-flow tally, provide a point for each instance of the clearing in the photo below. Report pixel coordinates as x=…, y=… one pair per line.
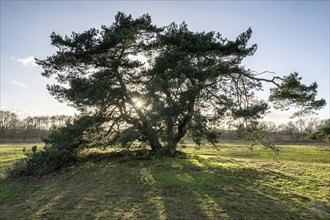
x=232, y=182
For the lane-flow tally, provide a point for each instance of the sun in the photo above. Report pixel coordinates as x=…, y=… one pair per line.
x=138, y=104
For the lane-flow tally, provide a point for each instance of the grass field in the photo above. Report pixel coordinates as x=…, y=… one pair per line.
x=230, y=183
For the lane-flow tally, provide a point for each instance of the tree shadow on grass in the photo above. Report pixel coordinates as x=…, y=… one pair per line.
x=120, y=186
x=219, y=193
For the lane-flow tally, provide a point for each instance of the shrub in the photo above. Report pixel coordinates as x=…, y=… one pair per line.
x=62, y=147
x=322, y=134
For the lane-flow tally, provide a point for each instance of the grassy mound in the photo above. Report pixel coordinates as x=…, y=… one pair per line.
x=230, y=183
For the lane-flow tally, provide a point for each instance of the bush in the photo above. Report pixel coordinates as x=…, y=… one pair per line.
x=322, y=134
x=62, y=147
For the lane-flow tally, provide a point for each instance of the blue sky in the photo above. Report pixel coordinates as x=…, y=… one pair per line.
x=291, y=36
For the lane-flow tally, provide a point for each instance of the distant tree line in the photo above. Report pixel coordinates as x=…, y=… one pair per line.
x=12, y=127
x=298, y=131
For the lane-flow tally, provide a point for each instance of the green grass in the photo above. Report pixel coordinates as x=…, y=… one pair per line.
x=298, y=153
x=12, y=151
x=230, y=183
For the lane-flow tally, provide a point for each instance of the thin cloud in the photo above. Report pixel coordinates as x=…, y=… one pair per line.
x=27, y=61
x=17, y=83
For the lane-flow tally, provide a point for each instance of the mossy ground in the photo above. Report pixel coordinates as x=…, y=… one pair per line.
x=230, y=183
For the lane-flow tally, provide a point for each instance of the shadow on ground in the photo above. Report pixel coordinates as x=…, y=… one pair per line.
x=117, y=186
